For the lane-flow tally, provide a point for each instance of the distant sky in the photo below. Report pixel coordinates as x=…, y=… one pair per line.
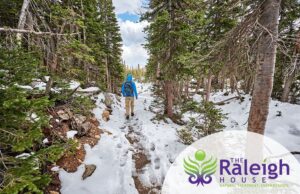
x=128, y=12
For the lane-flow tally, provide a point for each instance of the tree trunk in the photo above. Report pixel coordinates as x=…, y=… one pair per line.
x=108, y=84
x=208, y=88
x=267, y=48
x=86, y=66
x=186, y=90
x=287, y=87
x=236, y=86
x=198, y=86
x=52, y=60
x=22, y=19
x=248, y=84
x=177, y=91
x=49, y=86
x=232, y=84
x=169, y=97
x=289, y=81
x=157, y=74
x=30, y=27
x=222, y=83
x=221, y=80
x=169, y=86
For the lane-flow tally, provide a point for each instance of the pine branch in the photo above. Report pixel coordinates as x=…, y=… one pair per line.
x=5, y=131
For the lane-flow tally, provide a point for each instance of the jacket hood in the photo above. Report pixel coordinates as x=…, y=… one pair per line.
x=129, y=77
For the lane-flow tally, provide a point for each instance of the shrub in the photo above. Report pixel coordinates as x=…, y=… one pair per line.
x=208, y=120
x=185, y=136
x=23, y=116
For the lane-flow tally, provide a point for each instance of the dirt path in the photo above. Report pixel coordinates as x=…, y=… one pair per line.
x=142, y=157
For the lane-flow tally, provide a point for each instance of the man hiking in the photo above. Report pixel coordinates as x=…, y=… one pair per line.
x=129, y=92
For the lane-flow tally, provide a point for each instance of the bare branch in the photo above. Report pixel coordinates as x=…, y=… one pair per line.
x=35, y=32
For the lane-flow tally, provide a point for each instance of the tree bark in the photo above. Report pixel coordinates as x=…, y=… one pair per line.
x=186, y=90
x=22, y=19
x=108, y=82
x=157, y=74
x=236, y=86
x=49, y=86
x=289, y=81
x=267, y=48
x=222, y=83
x=198, y=86
x=248, y=84
x=169, y=86
x=287, y=87
x=232, y=84
x=208, y=87
x=169, y=97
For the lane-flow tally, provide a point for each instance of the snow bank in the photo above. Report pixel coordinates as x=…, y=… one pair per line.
x=283, y=121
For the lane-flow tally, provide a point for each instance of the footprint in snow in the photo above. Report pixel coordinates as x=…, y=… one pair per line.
x=171, y=158
x=152, y=147
x=119, y=145
x=157, y=163
x=123, y=159
x=294, y=130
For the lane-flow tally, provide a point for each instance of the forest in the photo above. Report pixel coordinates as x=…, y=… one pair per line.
x=234, y=64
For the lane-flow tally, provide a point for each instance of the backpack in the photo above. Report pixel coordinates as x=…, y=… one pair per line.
x=128, y=90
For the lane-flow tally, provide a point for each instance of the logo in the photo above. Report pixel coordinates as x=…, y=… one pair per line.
x=200, y=169
x=234, y=162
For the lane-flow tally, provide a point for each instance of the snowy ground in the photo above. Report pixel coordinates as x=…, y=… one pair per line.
x=113, y=155
x=283, y=123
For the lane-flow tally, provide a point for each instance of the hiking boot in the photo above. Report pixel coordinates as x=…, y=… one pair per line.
x=132, y=114
x=127, y=117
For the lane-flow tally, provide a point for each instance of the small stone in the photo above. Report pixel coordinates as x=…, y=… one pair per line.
x=55, y=169
x=108, y=101
x=84, y=128
x=79, y=119
x=77, y=122
x=45, y=141
x=63, y=115
x=105, y=115
x=69, y=112
x=89, y=170
x=109, y=110
x=97, y=136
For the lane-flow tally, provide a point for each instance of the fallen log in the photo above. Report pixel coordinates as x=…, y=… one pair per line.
x=295, y=153
x=223, y=102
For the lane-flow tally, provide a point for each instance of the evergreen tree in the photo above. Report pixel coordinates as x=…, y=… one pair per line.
x=287, y=66
x=181, y=39
x=64, y=40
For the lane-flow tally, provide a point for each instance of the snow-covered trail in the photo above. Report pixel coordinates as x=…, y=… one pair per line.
x=135, y=157
x=138, y=151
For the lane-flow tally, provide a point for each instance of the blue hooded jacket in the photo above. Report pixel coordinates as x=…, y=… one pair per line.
x=134, y=94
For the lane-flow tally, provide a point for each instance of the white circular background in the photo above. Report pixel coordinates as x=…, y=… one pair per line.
x=234, y=144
